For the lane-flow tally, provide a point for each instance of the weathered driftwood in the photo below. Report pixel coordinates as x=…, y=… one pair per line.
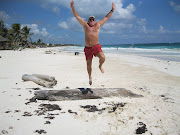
x=48, y=52
x=45, y=77
x=81, y=93
x=43, y=80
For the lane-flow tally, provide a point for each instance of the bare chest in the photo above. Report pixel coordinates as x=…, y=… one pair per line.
x=91, y=29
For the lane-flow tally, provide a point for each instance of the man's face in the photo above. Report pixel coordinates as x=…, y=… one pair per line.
x=91, y=21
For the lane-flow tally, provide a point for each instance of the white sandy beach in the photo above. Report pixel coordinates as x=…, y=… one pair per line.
x=158, y=81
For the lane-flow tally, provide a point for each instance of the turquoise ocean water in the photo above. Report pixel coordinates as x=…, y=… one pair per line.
x=161, y=51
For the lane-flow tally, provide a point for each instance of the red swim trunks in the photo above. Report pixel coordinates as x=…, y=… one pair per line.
x=90, y=51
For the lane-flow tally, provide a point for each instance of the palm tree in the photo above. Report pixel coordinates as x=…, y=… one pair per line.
x=26, y=34
x=15, y=32
x=39, y=42
x=3, y=29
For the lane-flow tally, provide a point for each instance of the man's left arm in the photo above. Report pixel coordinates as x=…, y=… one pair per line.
x=107, y=16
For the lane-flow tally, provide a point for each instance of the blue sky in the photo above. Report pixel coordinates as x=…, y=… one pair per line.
x=137, y=21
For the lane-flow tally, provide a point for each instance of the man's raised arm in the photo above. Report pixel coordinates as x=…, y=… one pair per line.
x=80, y=20
x=107, y=16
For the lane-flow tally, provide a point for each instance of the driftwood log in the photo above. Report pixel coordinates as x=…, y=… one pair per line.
x=48, y=52
x=82, y=93
x=43, y=80
x=45, y=77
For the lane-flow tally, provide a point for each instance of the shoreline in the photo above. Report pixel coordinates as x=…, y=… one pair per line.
x=160, y=54
x=158, y=109
x=167, y=66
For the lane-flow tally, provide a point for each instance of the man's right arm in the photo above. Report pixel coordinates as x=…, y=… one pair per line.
x=80, y=20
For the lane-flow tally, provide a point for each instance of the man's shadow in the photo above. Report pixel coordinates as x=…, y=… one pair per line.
x=85, y=91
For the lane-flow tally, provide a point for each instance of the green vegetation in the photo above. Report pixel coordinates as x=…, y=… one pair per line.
x=19, y=37
x=3, y=29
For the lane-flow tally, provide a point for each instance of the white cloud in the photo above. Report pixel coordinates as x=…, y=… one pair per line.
x=108, y=27
x=56, y=10
x=144, y=29
x=141, y=25
x=142, y=21
x=111, y=27
x=4, y=16
x=124, y=13
x=44, y=32
x=71, y=23
x=161, y=29
x=63, y=25
x=108, y=32
x=175, y=6
x=36, y=31
x=98, y=8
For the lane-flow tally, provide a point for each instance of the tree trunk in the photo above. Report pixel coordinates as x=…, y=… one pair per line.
x=45, y=77
x=43, y=80
x=82, y=93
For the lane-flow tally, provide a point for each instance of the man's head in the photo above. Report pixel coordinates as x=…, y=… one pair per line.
x=91, y=21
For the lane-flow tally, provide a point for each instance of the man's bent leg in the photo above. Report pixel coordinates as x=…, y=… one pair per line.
x=89, y=70
x=101, y=60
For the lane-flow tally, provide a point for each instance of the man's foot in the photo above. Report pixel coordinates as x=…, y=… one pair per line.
x=102, y=70
x=90, y=81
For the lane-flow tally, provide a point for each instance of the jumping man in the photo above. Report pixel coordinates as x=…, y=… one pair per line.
x=92, y=46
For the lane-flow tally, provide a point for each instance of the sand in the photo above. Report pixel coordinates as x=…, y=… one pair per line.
x=157, y=112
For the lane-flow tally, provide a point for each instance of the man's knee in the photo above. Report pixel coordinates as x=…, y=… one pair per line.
x=102, y=58
x=89, y=63
x=88, y=66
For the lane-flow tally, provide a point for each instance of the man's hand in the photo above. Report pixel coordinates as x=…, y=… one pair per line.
x=80, y=20
x=72, y=4
x=113, y=6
